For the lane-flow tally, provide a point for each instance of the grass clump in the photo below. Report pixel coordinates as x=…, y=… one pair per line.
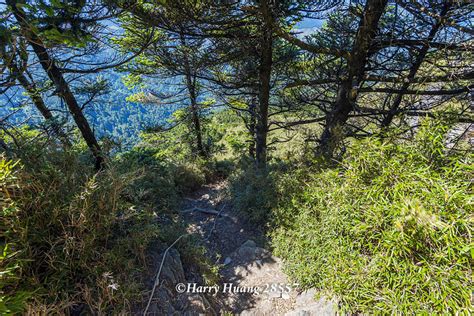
x=253, y=193
x=75, y=241
x=388, y=231
x=10, y=302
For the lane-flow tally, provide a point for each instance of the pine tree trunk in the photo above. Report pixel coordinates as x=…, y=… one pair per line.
x=195, y=115
x=197, y=128
x=265, y=69
x=252, y=127
x=332, y=134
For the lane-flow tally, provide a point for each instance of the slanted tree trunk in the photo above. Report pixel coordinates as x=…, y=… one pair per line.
x=62, y=87
x=265, y=70
x=195, y=115
x=37, y=100
x=347, y=93
x=251, y=127
x=387, y=120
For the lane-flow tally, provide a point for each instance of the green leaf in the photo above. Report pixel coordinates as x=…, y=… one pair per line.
x=49, y=11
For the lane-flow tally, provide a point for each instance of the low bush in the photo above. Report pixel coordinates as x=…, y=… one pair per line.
x=188, y=177
x=155, y=186
x=74, y=241
x=217, y=169
x=388, y=231
x=253, y=193
x=11, y=301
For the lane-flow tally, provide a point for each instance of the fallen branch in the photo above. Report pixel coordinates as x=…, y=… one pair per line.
x=202, y=210
x=208, y=211
x=157, y=278
x=215, y=222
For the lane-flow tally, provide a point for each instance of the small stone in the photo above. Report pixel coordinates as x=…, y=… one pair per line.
x=249, y=243
x=263, y=254
x=240, y=271
x=227, y=261
x=306, y=297
x=285, y=296
x=265, y=308
x=274, y=294
x=246, y=253
x=307, y=305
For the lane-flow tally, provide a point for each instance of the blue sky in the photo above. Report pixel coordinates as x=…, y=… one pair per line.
x=309, y=23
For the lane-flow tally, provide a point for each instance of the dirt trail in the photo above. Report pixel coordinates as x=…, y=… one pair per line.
x=251, y=280
x=246, y=266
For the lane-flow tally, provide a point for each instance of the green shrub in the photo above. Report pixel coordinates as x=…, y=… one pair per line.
x=389, y=231
x=253, y=193
x=155, y=185
x=188, y=177
x=75, y=240
x=11, y=300
x=217, y=169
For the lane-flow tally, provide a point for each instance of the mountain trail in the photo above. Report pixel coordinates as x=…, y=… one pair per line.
x=252, y=281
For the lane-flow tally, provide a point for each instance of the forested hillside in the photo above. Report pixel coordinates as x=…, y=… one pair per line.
x=110, y=114
x=314, y=156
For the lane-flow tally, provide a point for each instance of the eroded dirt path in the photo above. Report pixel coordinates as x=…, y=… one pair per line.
x=237, y=247
x=251, y=280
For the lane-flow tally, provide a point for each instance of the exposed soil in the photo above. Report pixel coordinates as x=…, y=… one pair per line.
x=237, y=247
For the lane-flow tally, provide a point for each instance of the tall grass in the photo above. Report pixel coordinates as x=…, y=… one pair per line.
x=76, y=241
x=11, y=301
x=72, y=240
x=389, y=231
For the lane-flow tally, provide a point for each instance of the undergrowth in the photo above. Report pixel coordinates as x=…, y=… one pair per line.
x=253, y=192
x=388, y=231
x=79, y=244
x=74, y=241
